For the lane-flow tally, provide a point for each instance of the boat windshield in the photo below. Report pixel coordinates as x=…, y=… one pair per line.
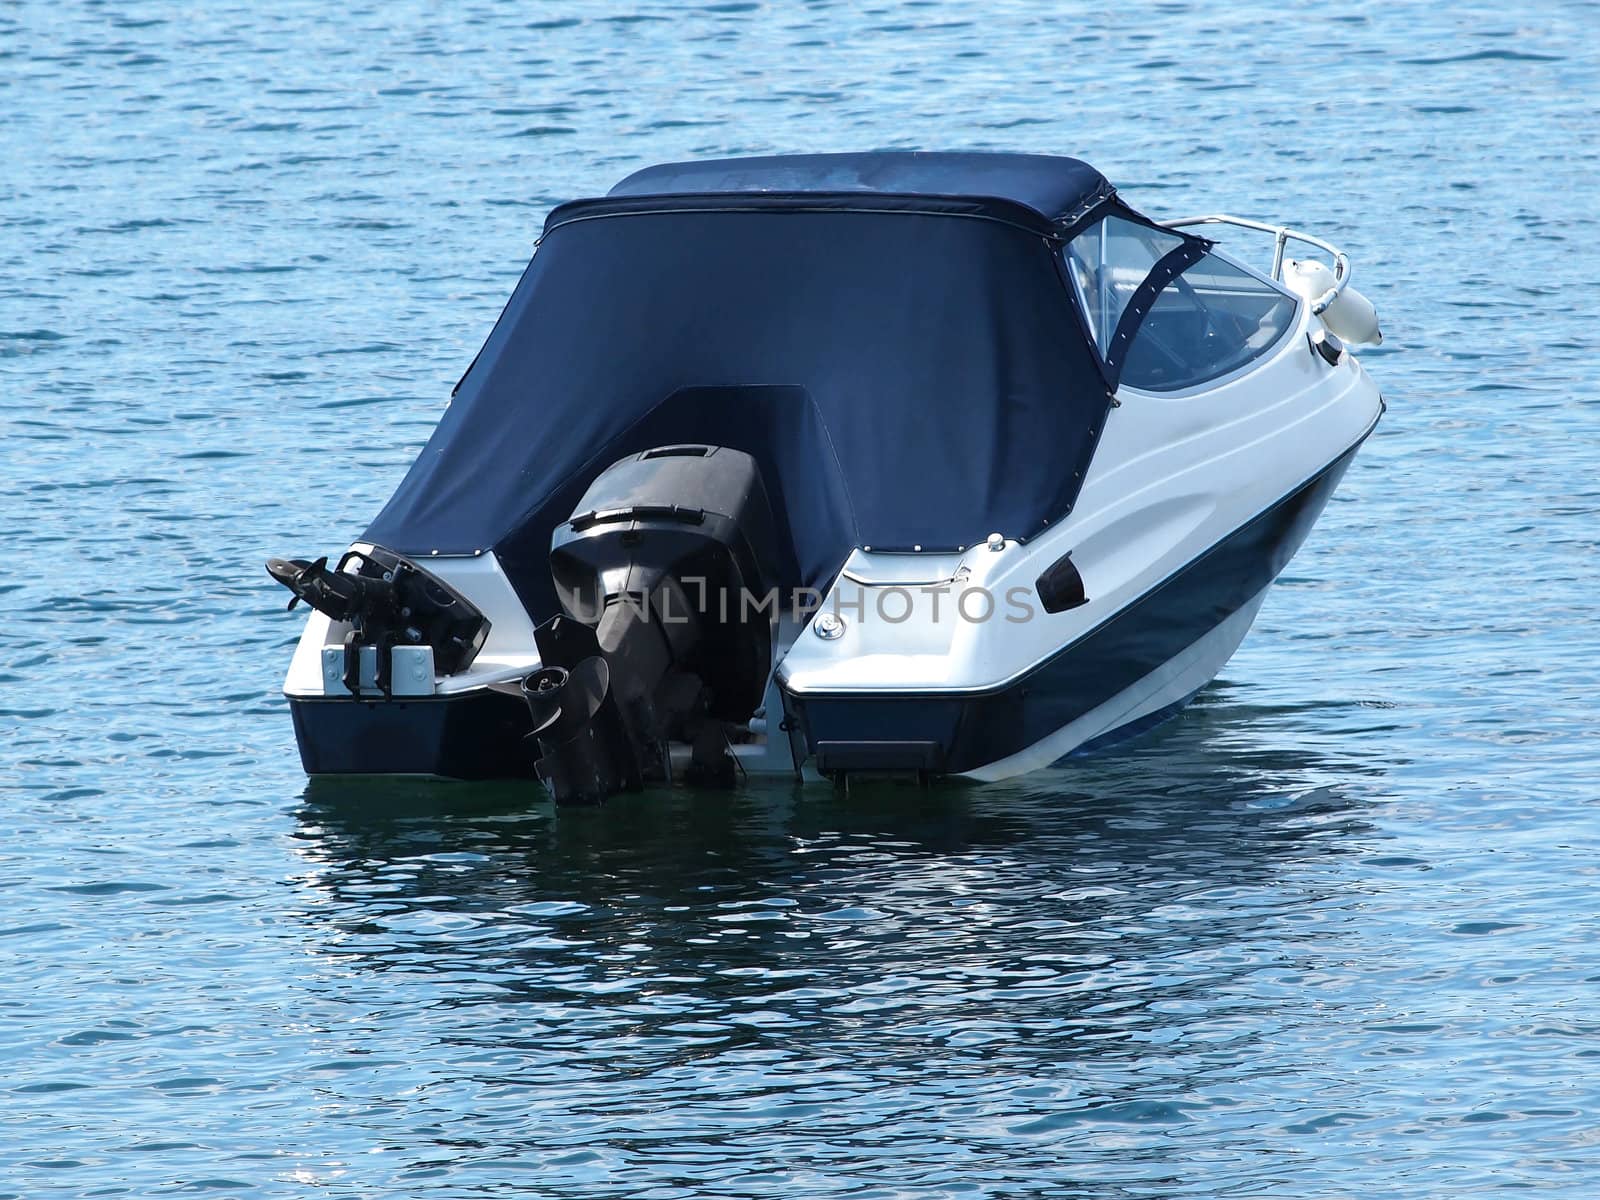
x=1107, y=262
x=1208, y=322
x=1211, y=319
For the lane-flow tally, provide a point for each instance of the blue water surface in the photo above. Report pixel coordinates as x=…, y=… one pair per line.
x=1333, y=933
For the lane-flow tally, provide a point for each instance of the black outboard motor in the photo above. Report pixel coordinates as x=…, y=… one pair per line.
x=665, y=574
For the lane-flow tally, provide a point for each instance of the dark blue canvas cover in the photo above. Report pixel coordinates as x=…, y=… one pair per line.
x=1057, y=189
x=907, y=370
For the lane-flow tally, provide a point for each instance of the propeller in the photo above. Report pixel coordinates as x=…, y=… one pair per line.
x=563, y=702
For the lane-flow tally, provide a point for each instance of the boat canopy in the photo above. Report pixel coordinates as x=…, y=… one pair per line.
x=892, y=336
x=1055, y=189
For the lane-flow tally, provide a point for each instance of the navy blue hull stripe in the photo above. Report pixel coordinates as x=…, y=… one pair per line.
x=478, y=735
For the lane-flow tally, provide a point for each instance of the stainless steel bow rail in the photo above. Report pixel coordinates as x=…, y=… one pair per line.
x=1282, y=236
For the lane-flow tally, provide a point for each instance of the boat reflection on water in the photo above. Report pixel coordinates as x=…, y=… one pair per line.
x=726, y=984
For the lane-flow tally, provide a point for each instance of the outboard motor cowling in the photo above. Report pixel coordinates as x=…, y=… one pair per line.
x=666, y=564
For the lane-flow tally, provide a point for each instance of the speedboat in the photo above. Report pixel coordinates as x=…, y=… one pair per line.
x=933, y=464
